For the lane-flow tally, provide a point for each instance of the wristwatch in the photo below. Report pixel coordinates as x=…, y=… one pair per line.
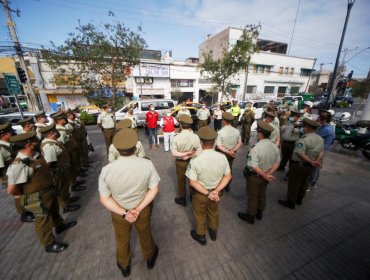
x=124, y=215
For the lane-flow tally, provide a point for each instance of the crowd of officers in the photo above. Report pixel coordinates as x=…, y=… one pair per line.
x=129, y=184
x=40, y=167
x=45, y=161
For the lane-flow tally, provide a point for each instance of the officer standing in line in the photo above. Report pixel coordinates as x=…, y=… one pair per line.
x=235, y=111
x=263, y=160
x=84, y=144
x=228, y=141
x=41, y=121
x=113, y=153
x=203, y=115
x=269, y=117
x=183, y=111
x=307, y=154
x=185, y=145
x=58, y=159
x=107, y=123
x=6, y=158
x=208, y=174
x=27, y=125
x=247, y=121
x=127, y=188
x=30, y=179
x=271, y=108
x=130, y=115
x=290, y=134
x=60, y=120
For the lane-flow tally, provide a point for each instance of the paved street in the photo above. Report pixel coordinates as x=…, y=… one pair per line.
x=326, y=238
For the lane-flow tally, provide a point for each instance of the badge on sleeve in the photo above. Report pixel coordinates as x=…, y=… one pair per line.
x=299, y=145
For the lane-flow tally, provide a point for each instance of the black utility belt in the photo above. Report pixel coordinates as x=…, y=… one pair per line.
x=248, y=172
x=183, y=160
x=301, y=163
x=108, y=128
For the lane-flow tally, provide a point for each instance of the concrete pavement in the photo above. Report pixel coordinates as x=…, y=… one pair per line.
x=326, y=238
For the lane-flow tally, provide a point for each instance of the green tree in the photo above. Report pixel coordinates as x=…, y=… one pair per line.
x=220, y=71
x=176, y=94
x=97, y=58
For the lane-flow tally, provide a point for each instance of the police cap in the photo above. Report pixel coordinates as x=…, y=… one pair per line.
x=264, y=127
x=47, y=128
x=311, y=123
x=24, y=137
x=207, y=133
x=40, y=114
x=227, y=116
x=26, y=121
x=6, y=127
x=186, y=119
x=125, y=123
x=125, y=139
x=58, y=115
x=269, y=113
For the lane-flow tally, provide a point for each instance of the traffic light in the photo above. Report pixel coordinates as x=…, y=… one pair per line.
x=22, y=75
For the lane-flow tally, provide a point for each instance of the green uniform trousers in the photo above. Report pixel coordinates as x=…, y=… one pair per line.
x=181, y=166
x=122, y=229
x=202, y=123
x=108, y=136
x=18, y=206
x=63, y=183
x=204, y=208
x=246, y=132
x=287, y=148
x=44, y=224
x=256, y=190
x=297, y=181
x=84, y=155
x=235, y=121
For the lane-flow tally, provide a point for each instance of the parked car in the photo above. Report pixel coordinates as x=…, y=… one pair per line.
x=141, y=107
x=189, y=104
x=193, y=112
x=343, y=101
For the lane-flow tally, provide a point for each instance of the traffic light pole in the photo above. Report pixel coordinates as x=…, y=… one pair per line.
x=30, y=95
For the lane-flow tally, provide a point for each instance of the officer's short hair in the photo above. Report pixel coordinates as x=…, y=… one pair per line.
x=325, y=116
x=126, y=153
x=208, y=142
x=185, y=125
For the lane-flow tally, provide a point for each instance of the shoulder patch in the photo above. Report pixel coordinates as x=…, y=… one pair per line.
x=299, y=145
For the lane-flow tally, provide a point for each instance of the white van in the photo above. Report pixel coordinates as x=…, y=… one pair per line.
x=141, y=107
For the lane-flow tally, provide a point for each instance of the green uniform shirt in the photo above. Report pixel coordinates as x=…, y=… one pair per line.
x=18, y=172
x=5, y=155
x=38, y=127
x=203, y=114
x=113, y=153
x=127, y=180
x=50, y=151
x=290, y=133
x=107, y=120
x=310, y=144
x=63, y=138
x=228, y=137
x=186, y=141
x=263, y=155
x=183, y=112
x=208, y=168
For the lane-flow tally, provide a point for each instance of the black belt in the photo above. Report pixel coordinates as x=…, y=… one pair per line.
x=301, y=163
x=248, y=172
x=183, y=160
x=108, y=128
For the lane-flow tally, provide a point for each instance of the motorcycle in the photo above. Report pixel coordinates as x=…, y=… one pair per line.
x=354, y=137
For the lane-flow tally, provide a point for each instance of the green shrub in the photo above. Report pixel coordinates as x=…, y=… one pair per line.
x=342, y=104
x=87, y=118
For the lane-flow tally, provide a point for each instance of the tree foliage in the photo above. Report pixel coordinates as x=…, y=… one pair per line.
x=97, y=58
x=220, y=71
x=361, y=89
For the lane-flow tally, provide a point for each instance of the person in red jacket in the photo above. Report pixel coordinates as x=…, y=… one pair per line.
x=152, y=125
x=168, y=123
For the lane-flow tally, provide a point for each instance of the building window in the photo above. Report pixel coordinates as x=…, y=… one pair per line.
x=291, y=71
x=182, y=83
x=269, y=89
x=251, y=89
x=262, y=69
x=282, y=89
x=144, y=80
x=294, y=90
x=286, y=70
x=281, y=70
x=305, y=72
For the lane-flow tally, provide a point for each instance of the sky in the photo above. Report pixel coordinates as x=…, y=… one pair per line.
x=181, y=25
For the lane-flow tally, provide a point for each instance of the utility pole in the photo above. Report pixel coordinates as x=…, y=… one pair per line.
x=333, y=78
x=31, y=95
x=309, y=78
x=295, y=22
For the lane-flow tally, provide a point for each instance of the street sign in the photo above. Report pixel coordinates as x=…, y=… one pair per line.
x=12, y=84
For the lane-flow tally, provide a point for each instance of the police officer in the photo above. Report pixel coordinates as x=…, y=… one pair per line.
x=30, y=179
x=247, y=121
x=269, y=117
x=41, y=120
x=185, y=145
x=290, y=134
x=27, y=125
x=263, y=160
x=235, y=111
x=58, y=159
x=127, y=188
x=84, y=155
x=6, y=157
x=207, y=184
x=113, y=153
x=69, y=142
x=203, y=115
x=228, y=141
x=307, y=154
x=183, y=111
x=107, y=122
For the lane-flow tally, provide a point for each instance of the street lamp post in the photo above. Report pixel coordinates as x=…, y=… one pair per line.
x=330, y=88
